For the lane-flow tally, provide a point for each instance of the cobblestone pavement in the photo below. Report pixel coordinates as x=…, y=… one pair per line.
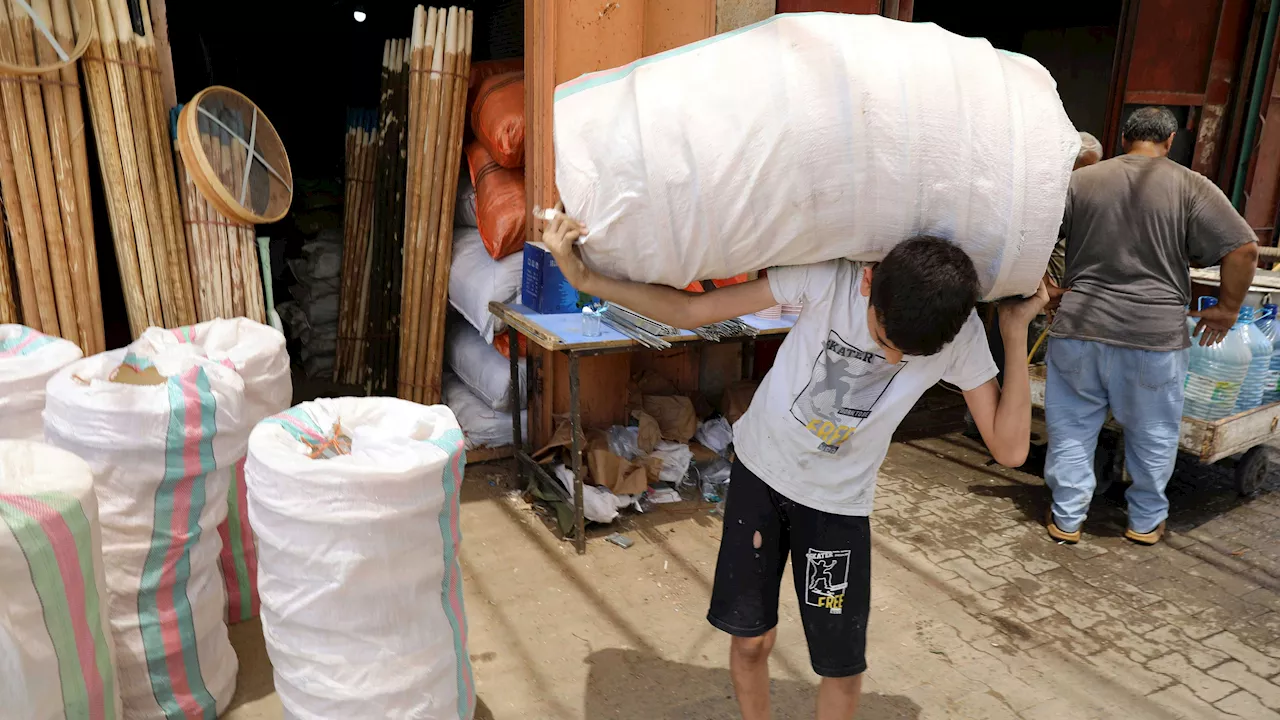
x=1192, y=624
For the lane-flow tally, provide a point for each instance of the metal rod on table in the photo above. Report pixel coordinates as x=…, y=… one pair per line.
x=517, y=439
x=575, y=427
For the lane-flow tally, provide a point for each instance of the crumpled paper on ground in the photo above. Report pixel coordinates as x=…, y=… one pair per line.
x=676, y=417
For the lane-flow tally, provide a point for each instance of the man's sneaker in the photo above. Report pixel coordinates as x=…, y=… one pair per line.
x=1146, y=538
x=1057, y=533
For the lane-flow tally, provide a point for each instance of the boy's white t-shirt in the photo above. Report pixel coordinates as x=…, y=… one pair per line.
x=821, y=422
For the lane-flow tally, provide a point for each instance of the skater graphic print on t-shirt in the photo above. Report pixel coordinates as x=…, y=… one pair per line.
x=845, y=384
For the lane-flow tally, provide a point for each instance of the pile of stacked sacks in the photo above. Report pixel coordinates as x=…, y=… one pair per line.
x=1240, y=373
x=488, y=237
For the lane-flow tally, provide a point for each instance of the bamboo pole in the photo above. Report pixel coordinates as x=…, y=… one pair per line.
x=363, y=255
x=423, y=252
x=416, y=41
x=231, y=178
x=16, y=95
x=434, y=347
x=111, y=164
x=10, y=197
x=88, y=299
x=57, y=194
x=8, y=293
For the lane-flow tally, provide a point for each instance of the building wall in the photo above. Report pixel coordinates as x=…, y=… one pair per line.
x=733, y=14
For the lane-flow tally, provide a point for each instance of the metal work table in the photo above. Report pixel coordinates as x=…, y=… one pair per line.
x=563, y=334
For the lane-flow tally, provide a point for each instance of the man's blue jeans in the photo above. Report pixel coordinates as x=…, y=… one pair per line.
x=1143, y=390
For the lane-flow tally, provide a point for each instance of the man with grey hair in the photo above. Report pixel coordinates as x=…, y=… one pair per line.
x=1132, y=225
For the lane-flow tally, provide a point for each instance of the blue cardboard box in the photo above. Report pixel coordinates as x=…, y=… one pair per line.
x=543, y=287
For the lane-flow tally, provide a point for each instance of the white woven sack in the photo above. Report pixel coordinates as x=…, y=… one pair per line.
x=482, y=426
x=27, y=360
x=482, y=367
x=162, y=456
x=56, y=658
x=810, y=137
x=361, y=588
x=257, y=352
x=476, y=279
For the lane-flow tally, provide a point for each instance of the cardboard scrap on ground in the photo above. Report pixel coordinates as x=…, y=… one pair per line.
x=620, y=476
x=675, y=415
x=650, y=433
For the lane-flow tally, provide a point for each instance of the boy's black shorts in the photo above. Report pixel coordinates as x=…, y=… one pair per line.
x=831, y=556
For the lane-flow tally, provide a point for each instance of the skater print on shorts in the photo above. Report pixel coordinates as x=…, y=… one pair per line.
x=844, y=386
x=826, y=579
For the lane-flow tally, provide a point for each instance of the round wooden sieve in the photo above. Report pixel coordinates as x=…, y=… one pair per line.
x=51, y=31
x=216, y=132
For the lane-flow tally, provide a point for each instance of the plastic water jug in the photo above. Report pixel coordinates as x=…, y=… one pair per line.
x=1257, y=381
x=1271, y=329
x=1216, y=374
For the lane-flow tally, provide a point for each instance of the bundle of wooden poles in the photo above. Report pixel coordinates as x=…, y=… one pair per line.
x=48, y=258
x=387, y=240
x=357, y=224
x=222, y=251
x=135, y=153
x=440, y=67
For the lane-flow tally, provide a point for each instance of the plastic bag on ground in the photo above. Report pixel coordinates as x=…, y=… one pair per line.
x=676, y=458
x=56, y=656
x=716, y=434
x=27, y=360
x=257, y=352
x=811, y=137
x=163, y=443
x=476, y=279
x=482, y=367
x=500, y=202
x=355, y=504
x=483, y=426
x=598, y=504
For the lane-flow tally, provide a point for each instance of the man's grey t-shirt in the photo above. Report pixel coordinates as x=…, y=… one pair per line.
x=1133, y=226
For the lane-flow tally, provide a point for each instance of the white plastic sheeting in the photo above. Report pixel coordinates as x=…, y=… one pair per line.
x=56, y=658
x=359, y=577
x=476, y=279
x=27, y=360
x=810, y=137
x=482, y=367
x=162, y=457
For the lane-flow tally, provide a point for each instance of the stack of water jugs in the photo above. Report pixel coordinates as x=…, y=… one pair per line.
x=1239, y=373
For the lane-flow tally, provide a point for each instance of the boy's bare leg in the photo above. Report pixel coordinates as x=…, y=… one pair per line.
x=749, y=667
x=838, y=698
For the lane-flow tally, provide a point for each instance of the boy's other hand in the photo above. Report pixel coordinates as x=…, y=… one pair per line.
x=1017, y=314
x=561, y=235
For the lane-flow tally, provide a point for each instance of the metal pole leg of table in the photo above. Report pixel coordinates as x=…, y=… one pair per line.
x=517, y=433
x=575, y=429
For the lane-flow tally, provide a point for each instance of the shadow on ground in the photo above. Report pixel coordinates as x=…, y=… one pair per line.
x=633, y=685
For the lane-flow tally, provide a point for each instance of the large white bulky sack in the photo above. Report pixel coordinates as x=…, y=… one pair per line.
x=56, y=658
x=476, y=279
x=257, y=352
x=162, y=437
x=482, y=367
x=27, y=360
x=355, y=505
x=482, y=426
x=811, y=137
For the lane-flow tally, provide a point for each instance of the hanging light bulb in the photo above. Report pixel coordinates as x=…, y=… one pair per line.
x=359, y=14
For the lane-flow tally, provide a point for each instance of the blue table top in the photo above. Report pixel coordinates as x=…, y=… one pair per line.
x=567, y=328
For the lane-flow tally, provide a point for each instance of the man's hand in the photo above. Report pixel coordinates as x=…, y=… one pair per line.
x=1214, y=323
x=561, y=236
x=1017, y=314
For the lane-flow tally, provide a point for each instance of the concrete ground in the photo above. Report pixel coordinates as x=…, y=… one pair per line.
x=975, y=613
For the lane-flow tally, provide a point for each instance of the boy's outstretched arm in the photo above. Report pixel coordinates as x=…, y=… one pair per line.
x=664, y=304
x=1003, y=415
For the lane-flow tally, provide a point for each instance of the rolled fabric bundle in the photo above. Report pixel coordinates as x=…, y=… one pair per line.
x=27, y=360
x=355, y=506
x=162, y=437
x=56, y=658
x=257, y=352
x=809, y=137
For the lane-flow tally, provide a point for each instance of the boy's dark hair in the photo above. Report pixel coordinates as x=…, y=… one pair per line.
x=1150, y=124
x=923, y=292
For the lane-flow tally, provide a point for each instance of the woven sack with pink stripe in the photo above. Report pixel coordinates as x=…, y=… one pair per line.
x=27, y=360
x=162, y=436
x=56, y=658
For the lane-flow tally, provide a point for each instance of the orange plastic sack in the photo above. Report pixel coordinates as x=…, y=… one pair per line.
x=498, y=118
x=486, y=69
x=502, y=343
x=698, y=286
x=500, y=206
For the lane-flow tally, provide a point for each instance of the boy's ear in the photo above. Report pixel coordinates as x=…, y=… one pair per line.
x=866, y=281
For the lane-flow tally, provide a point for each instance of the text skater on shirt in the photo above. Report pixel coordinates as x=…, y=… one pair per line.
x=870, y=341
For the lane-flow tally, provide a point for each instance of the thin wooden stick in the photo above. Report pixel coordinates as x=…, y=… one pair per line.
x=8, y=293
x=111, y=165
x=25, y=294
